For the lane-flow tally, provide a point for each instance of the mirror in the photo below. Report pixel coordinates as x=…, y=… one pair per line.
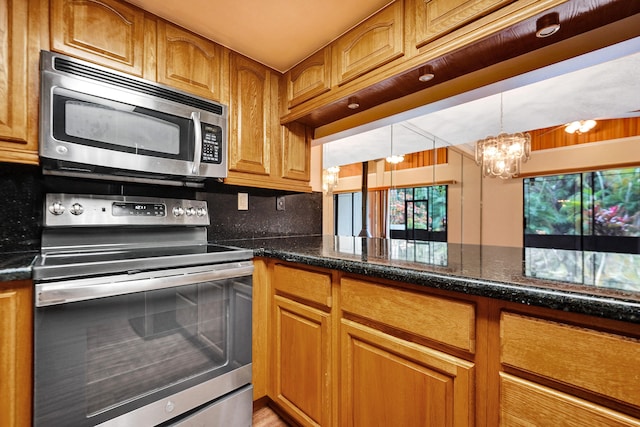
x=600, y=85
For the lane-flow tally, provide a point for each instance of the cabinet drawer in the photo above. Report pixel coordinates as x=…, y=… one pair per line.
x=436, y=318
x=308, y=285
x=599, y=362
x=524, y=403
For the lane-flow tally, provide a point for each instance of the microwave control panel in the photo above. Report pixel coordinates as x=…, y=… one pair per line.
x=211, y=144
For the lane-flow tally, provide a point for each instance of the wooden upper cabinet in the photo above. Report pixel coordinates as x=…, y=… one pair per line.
x=262, y=153
x=107, y=32
x=375, y=42
x=310, y=78
x=435, y=18
x=296, y=146
x=250, y=106
x=19, y=57
x=190, y=63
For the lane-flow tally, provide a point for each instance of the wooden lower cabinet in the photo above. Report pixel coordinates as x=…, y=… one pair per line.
x=302, y=352
x=387, y=381
x=16, y=337
x=350, y=351
x=524, y=403
x=576, y=374
x=301, y=344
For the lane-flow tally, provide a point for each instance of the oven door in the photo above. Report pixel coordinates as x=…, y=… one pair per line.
x=145, y=348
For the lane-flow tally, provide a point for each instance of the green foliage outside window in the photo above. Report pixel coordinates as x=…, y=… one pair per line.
x=603, y=203
x=420, y=208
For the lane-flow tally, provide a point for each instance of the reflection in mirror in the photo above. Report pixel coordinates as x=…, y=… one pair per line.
x=428, y=253
x=419, y=160
x=601, y=86
x=601, y=269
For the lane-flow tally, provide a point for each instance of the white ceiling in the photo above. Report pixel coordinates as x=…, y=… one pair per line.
x=277, y=33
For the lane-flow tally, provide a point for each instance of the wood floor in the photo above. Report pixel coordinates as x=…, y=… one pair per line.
x=266, y=417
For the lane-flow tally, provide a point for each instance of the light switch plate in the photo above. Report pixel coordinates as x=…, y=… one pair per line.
x=243, y=201
x=280, y=203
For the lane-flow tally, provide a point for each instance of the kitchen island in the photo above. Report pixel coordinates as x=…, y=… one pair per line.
x=388, y=332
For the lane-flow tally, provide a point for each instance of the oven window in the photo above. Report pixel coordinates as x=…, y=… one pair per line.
x=98, y=359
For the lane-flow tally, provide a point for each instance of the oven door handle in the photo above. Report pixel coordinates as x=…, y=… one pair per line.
x=87, y=289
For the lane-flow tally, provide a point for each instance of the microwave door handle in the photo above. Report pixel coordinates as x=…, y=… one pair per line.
x=197, y=153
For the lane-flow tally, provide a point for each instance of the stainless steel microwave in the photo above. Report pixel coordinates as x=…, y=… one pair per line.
x=111, y=125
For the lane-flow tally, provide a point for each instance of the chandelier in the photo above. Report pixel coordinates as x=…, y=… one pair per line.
x=330, y=179
x=394, y=159
x=502, y=155
x=330, y=174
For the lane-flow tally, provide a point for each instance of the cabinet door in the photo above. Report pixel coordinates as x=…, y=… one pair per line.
x=434, y=18
x=189, y=62
x=249, y=136
x=387, y=381
x=107, y=32
x=16, y=309
x=302, y=351
x=373, y=43
x=310, y=78
x=296, y=146
x=19, y=50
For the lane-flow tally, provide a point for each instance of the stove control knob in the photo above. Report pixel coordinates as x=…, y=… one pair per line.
x=190, y=211
x=178, y=211
x=76, y=209
x=56, y=208
x=201, y=211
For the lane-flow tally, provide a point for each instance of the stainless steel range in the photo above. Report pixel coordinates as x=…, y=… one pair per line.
x=138, y=321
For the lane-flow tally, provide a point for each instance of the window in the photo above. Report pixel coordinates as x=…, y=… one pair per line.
x=584, y=228
x=347, y=214
x=595, y=211
x=418, y=213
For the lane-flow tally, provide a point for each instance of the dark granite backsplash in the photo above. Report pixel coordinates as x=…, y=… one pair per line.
x=22, y=188
x=21, y=213
x=302, y=215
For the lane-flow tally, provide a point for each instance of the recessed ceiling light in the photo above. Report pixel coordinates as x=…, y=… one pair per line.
x=425, y=73
x=353, y=103
x=547, y=25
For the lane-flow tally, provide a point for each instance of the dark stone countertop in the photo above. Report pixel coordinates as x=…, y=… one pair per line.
x=16, y=265
x=494, y=272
